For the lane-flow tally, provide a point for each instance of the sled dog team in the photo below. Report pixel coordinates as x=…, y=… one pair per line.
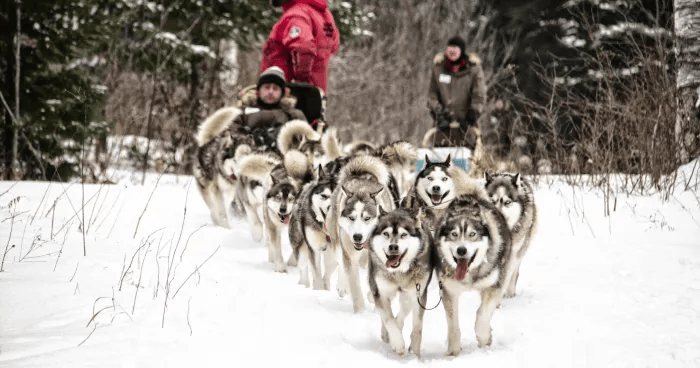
x=368, y=207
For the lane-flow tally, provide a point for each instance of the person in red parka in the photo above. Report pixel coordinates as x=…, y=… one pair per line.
x=302, y=42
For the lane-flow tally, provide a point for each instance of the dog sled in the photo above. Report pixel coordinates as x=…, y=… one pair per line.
x=442, y=141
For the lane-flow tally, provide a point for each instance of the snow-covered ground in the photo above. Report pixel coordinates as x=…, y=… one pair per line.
x=594, y=291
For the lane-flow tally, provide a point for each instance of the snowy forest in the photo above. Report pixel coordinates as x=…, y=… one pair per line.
x=590, y=86
x=143, y=224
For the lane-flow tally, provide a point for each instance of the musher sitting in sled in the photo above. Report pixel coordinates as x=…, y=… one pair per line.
x=266, y=108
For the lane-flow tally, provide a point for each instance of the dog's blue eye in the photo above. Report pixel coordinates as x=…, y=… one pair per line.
x=507, y=203
x=430, y=178
x=472, y=234
x=454, y=234
x=444, y=179
x=367, y=218
x=386, y=235
x=352, y=218
x=404, y=235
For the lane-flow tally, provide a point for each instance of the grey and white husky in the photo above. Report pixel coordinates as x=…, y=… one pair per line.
x=219, y=148
x=514, y=197
x=399, y=263
x=473, y=252
x=309, y=241
x=353, y=215
x=281, y=185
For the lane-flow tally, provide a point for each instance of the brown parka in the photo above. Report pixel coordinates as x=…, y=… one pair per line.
x=463, y=93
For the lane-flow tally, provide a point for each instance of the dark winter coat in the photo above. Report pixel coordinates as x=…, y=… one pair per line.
x=463, y=93
x=302, y=42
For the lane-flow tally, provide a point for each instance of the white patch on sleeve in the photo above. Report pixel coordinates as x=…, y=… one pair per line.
x=294, y=32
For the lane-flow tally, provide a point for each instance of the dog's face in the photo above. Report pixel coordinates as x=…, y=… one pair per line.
x=359, y=217
x=463, y=241
x=504, y=191
x=396, y=240
x=280, y=200
x=435, y=185
x=321, y=200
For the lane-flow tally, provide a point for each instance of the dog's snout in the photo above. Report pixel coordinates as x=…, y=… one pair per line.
x=357, y=238
x=393, y=248
x=461, y=251
x=283, y=209
x=436, y=189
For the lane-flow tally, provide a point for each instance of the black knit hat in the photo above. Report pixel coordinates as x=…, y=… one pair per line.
x=459, y=42
x=273, y=75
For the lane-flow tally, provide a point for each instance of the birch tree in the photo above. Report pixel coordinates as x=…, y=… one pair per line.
x=687, y=28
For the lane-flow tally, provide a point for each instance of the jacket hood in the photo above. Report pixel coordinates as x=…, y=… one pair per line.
x=321, y=5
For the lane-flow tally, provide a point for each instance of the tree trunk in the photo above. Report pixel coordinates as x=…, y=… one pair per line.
x=14, y=170
x=687, y=29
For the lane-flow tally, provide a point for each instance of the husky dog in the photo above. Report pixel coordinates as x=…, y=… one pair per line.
x=513, y=196
x=432, y=190
x=472, y=251
x=399, y=262
x=353, y=216
x=400, y=157
x=281, y=186
x=252, y=171
x=219, y=149
x=306, y=235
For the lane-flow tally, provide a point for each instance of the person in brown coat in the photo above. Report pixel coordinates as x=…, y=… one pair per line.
x=457, y=87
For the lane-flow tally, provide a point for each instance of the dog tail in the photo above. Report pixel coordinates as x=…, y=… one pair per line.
x=330, y=143
x=215, y=124
x=359, y=148
x=257, y=166
x=465, y=184
x=400, y=153
x=298, y=166
x=359, y=166
x=429, y=137
x=293, y=133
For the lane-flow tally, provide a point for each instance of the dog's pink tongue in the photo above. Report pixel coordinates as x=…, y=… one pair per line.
x=366, y=245
x=391, y=261
x=462, y=269
x=286, y=220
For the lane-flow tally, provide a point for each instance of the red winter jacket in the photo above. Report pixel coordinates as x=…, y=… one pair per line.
x=302, y=42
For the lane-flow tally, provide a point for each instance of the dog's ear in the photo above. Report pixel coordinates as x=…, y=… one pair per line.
x=347, y=192
x=427, y=160
x=516, y=180
x=373, y=195
x=381, y=211
x=487, y=177
x=321, y=174
x=448, y=160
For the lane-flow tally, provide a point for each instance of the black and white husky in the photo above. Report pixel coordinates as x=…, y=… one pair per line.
x=433, y=190
x=513, y=196
x=399, y=263
x=309, y=241
x=473, y=252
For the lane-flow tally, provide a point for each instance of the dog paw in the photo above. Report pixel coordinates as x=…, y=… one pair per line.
x=385, y=335
x=370, y=297
x=484, y=342
x=358, y=307
x=454, y=350
x=342, y=291
x=414, y=348
x=280, y=267
x=397, y=344
x=509, y=294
